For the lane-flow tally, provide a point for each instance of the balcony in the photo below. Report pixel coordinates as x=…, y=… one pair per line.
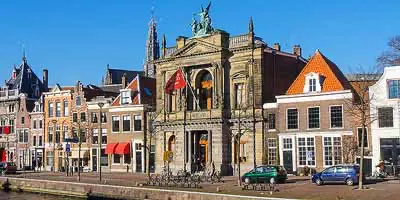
x=8, y=94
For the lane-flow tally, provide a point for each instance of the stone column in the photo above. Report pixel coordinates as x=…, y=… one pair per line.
x=210, y=146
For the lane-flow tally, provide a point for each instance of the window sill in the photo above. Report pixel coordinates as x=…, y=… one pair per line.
x=272, y=130
x=336, y=128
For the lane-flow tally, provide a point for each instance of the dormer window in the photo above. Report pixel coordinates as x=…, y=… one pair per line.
x=125, y=96
x=313, y=82
x=312, y=85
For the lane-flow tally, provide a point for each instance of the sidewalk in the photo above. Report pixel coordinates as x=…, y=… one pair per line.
x=296, y=187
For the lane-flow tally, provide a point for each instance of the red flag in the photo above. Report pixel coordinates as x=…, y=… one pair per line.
x=176, y=82
x=6, y=129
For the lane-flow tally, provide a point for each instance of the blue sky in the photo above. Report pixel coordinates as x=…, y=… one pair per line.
x=76, y=39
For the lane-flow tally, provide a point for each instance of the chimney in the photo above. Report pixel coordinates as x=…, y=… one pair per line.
x=297, y=50
x=276, y=46
x=123, y=81
x=45, y=80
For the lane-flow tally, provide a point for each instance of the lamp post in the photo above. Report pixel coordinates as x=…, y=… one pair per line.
x=100, y=104
x=54, y=121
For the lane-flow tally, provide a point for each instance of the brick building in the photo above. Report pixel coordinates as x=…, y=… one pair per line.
x=36, y=135
x=127, y=125
x=17, y=99
x=312, y=118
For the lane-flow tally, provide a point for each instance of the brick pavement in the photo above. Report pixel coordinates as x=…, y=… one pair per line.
x=296, y=187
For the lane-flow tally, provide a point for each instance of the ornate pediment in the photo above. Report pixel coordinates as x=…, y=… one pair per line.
x=196, y=47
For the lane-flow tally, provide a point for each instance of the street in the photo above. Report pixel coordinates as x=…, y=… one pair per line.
x=296, y=187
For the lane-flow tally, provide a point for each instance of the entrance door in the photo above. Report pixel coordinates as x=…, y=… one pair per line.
x=288, y=161
x=94, y=160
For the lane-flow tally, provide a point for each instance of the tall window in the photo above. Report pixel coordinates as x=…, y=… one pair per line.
x=65, y=132
x=312, y=85
x=359, y=134
x=26, y=136
x=115, y=123
x=22, y=120
x=394, y=89
x=385, y=117
x=41, y=124
x=50, y=135
x=332, y=150
x=313, y=117
x=117, y=159
x=272, y=151
x=75, y=117
x=83, y=135
x=336, y=116
x=65, y=108
x=94, y=117
x=126, y=123
x=50, y=109
x=292, y=118
x=125, y=97
x=78, y=101
x=103, y=117
x=83, y=117
x=137, y=123
x=58, y=109
x=58, y=130
x=95, y=136
x=271, y=121
x=11, y=108
x=240, y=95
x=34, y=141
x=306, y=151
x=205, y=86
x=11, y=123
x=34, y=124
x=40, y=141
x=104, y=136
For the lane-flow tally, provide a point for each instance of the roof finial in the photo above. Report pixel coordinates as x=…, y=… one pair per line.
x=23, y=53
x=251, y=25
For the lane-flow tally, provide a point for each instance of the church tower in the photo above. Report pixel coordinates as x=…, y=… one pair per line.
x=152, y=49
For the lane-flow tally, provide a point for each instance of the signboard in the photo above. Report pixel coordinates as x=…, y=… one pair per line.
x=72, y=140
x=168, y=156
x=68, y=148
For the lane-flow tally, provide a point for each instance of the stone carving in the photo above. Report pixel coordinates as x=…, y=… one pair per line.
x=203, y=27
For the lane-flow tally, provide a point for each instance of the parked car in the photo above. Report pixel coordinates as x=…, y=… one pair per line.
x=347, y=174
x=264, y=174
x=8, y=168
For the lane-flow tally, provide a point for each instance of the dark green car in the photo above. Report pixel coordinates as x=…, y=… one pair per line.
x=264, y=174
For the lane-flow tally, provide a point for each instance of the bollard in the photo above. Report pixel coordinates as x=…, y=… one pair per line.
x=127, y=168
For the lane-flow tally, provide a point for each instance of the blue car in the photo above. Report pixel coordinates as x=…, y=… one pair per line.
x=347, y=174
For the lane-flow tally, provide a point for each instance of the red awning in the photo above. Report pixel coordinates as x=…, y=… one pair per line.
x=110, y=148
x=123, y=148
x=6, y=129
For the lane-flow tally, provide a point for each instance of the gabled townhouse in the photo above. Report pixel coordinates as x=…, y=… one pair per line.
x=36, y=135
x=385, y=117
x=311, y=118
x=127, y=118
x=17, y=97
x=57, y=126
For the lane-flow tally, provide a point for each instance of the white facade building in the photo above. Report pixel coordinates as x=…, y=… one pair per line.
x=385, y=117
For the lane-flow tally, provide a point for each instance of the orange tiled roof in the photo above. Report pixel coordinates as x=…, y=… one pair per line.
x=334, y=78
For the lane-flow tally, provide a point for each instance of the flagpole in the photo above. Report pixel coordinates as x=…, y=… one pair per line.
x=191, y=89
x=184, y=122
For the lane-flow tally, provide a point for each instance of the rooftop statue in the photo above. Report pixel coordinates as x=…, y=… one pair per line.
x=203, y=27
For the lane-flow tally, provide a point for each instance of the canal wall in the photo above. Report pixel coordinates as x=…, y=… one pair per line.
x=86, y=190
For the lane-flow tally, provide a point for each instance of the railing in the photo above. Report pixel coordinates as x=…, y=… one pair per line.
x=236, y=41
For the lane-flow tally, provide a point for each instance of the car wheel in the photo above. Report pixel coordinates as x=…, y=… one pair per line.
x=349, y=182
x=318, y=182
x=247, y=180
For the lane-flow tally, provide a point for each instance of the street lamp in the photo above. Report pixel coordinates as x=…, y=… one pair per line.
x=100, y=104
x=54, y=121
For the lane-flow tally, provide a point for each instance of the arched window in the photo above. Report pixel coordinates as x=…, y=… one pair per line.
x=171, y=143
x=205, y=88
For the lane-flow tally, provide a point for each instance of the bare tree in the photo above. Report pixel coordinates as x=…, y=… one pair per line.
x=392, y=56
x=150, y=136
x=359, y=108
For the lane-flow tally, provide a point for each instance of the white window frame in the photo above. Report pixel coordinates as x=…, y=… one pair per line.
x=130, y=123
x=141, y=122
x=112, y=123
x=333, y=150
x=275, y=148
x=319, y=118
x=114, y=163
x=287, y=119
x=317, y=78
x=298, y=151
x=330, y=117
x=122, y=97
